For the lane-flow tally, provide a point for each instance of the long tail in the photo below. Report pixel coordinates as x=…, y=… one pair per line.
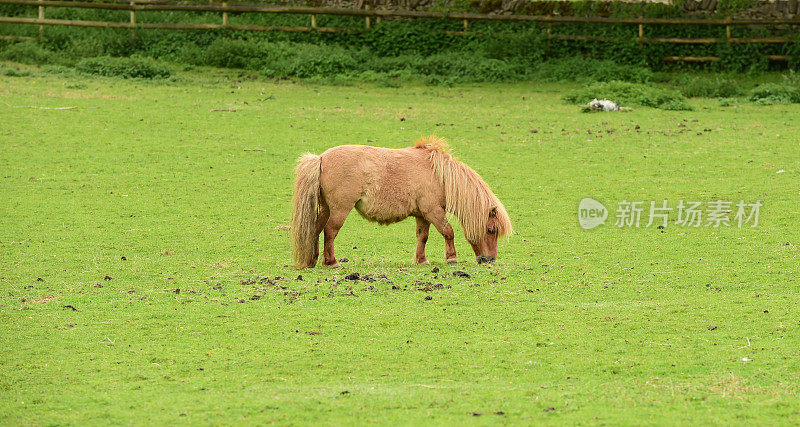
x=306, y=204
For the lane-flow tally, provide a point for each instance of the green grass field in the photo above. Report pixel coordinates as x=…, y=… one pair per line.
x=145, y=278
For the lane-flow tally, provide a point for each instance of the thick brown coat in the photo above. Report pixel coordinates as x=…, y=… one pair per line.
x=388, y=185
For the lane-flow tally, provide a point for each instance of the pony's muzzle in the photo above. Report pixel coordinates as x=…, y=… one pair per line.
x=483, y=259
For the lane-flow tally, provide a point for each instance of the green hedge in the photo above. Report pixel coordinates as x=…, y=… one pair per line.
x=491, y=51
x=128, y=68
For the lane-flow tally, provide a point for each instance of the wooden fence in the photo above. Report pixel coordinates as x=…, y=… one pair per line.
x=371, y=16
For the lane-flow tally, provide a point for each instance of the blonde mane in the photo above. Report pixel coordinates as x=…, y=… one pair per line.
x=467, y=196
x=432, y=142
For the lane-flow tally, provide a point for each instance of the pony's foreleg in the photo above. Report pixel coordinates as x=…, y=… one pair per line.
x=322, y=219
x=335, y=222
x=422, y=237
x=438, y=218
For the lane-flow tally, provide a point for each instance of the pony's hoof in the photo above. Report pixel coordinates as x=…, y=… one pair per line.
x=423, y=262
x=452, y=261
x=334, y=265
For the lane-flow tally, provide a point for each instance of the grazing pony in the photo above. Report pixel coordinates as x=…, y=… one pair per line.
x=388, y=185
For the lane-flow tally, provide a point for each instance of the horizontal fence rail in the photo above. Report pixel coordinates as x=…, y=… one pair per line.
x=255, y=8
x=225, y=9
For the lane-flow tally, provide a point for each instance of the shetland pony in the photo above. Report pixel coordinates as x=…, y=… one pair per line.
x=386, y=186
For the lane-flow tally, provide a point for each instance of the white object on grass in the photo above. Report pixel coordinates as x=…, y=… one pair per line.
x=604, y=105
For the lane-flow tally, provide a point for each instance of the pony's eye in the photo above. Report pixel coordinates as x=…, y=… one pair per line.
x=490, y=231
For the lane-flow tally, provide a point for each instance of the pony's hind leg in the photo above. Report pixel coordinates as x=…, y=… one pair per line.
x=422, y=237
x=437, y=217
x=322, y=219
x=335, y=222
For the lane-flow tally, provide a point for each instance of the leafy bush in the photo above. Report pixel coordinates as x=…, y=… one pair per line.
x=58, y=69
x=627, y=94
x=792, y=78
x=191, y=54
x=381, y=79
x=13, y=10
x=387, y=64
x=587, y=69
x=710, y=87
x=730, y=7
x=528, y=46
x=123, y=67
x=13, y=72
x=85, y=48
x=229, y=53
x=28, y=52
x=742, y=58
x=463, y=67
x=436, y=80
x=775, y=93
x=306, y=60
x=420, y=37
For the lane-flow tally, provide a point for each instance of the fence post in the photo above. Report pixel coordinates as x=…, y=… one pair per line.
x=367, y=21
x=224, y=15
x=41, y=18
x=466, y=25
x=313, y=21
x=728, y=33
x=641, y=32
x=133, y=20
x=549, y=36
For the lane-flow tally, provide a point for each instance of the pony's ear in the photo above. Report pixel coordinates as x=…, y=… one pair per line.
x=493, y=211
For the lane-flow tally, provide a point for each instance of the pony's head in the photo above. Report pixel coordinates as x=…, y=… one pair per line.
x=497, y=225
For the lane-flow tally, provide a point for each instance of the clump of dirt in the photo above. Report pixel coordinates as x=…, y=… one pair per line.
x=428, y=286
x=256, y=280
x=248, y=281
x=291, y=296
x=355, y=277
